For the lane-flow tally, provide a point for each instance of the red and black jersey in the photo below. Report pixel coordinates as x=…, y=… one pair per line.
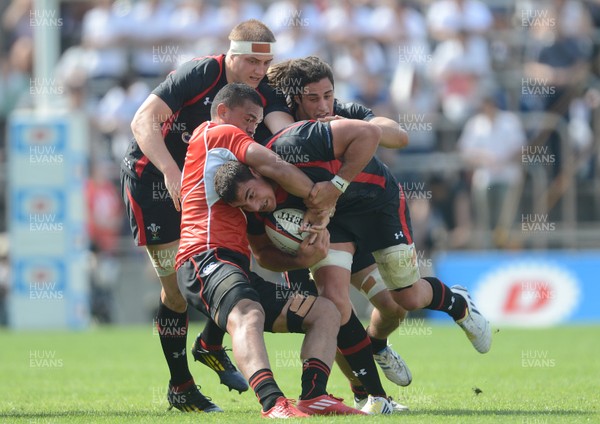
x=206, y=221
x=189, y=91
x=309, y=146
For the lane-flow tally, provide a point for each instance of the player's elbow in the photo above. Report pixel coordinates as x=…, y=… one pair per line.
x=402, y=139
x=137, y=124
x=371, y=134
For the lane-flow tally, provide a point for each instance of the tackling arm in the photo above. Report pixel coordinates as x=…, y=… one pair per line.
x=270, y=257
x=392, y=135
x=270, y=165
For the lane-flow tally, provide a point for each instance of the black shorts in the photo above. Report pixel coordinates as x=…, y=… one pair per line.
x=361, y=260
x=299, y=280
x=386, y=226
x=152, y=215
x=216, y=280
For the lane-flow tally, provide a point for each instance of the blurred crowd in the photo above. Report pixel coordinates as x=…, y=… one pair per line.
x=489, y=85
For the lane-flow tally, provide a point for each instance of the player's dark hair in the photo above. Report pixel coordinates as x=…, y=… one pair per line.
x=228, y=178
x=233, y=95
x=252, y=30
x=290, y=77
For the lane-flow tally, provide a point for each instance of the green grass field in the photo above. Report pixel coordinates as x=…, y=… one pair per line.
x=117, y=374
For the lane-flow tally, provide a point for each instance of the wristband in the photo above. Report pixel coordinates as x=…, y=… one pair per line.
x=340, y=183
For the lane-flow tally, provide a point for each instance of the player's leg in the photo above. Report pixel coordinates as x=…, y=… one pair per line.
x=387, y=314
x=385, y=319
x=319, y=320
x=171, y=317
x=246, y=324
x=332, y=276
x=208, y=349
x=220, y=289
x=397, y=264
x=155, y=225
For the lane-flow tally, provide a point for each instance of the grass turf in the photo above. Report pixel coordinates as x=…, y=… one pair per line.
x=117, y=374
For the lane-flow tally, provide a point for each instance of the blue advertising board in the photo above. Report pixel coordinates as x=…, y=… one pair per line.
x=527, y=288
x=47, y=221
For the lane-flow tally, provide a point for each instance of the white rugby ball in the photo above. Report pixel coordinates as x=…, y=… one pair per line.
x=282, y=228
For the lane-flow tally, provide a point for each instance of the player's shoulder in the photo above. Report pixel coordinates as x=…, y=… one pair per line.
x=265, y=87
x=270, y=95
x=208, y=67
x=224, y=130
x=352, y=110
x=310, y=130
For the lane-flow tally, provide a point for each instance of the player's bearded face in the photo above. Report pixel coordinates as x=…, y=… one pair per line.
x=256, y=195
x=249, y=69
x=316, y=101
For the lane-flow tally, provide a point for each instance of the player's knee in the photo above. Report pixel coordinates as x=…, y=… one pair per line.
x=170, y=295
x=386, y=305
x=407, y=299
x=300, y=312
x=372, y=285
x=174, y=301
x=163, y=259
x=324, y=313
x=336, y=292
x=341, y=303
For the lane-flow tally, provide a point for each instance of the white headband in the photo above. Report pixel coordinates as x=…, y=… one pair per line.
x=251, y=47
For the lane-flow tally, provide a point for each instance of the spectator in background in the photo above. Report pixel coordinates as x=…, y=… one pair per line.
x=148, y=31
x=356, y=61
x=450, y=222
x=232, y=12
x=104, y=55
x=193, y=25
x=459, y=67
x=402, y=30
x=345, y=21
x=281, y=15
x=491, y=143
x=446, y=17
x=115, y=112
x=297, y=26
x=105, y=213
x=15, y=75
x=16, y=19
x=417, y=104
x=555, y=75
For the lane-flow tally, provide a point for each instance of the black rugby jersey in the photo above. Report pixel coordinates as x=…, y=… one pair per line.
x=189, y=91
x=352, y=111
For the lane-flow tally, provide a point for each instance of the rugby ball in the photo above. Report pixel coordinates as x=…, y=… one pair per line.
x=282, y=228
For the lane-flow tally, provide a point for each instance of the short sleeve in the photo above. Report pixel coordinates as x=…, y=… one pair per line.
x=188, y=81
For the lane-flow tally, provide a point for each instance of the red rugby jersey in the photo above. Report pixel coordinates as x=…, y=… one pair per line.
x=206, y=221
